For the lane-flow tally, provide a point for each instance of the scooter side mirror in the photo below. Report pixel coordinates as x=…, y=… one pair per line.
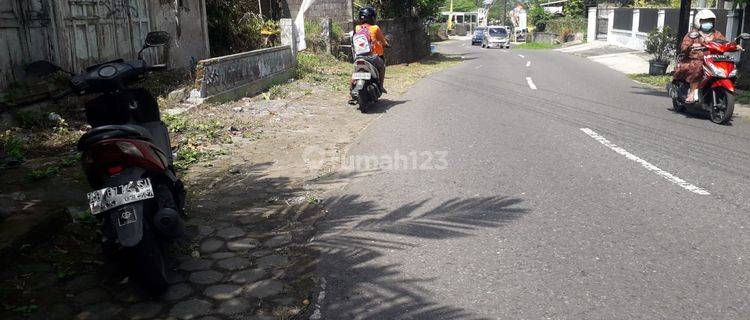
x=745, y=36
x=694, y=35
x=157, y=38
x=154, y=39
x=41, y=68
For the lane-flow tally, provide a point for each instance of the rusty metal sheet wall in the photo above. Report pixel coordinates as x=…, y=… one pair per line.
x=99, y=30
x=27, y=33
x=72, y=33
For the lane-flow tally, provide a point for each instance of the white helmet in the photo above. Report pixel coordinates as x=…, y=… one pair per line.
x=703, y=15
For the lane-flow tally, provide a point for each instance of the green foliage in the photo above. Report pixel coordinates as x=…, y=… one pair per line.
x=235, y=26
x=337, y=32
x=538, y=17
x=33, y=119
x=566, y=26
x=661, y=44
x=26, y=310
x=743, y=97
x=11, y=148
x=656, y=81
x=314, y=36
x=193, y=135
x=574, y=8
x=84, y=216
x=536, y=46
x=433, y=30
x=388, y=9
x=656, y=4
x=44, y=172
x=187, y=156
x=70, y=161
x=174, y=123
x=460, y=5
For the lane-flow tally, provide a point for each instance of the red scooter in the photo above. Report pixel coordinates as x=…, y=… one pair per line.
x=716, y=91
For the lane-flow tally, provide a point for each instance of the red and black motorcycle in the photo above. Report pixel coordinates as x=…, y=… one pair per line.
x=127, y=158
x=716, y=93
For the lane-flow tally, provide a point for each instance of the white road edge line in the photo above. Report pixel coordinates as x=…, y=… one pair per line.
x=531, y=83
x=528, y=63
x=672, y=178
x=520, y=55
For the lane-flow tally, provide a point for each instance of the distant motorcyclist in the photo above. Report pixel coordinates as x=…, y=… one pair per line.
x=690, y=67
x=378, y=41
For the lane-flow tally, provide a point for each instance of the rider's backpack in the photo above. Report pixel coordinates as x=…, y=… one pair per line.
x=362, y=41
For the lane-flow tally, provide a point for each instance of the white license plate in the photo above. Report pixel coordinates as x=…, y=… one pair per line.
x=108, y=198
x=362, y=76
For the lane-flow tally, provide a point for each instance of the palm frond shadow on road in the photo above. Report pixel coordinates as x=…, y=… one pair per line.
x=352, y=243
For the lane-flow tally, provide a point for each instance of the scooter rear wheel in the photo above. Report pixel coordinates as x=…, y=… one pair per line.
x=363, y=102
x=722, y=113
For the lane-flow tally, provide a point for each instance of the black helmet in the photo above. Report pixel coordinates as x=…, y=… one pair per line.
x=367, y=15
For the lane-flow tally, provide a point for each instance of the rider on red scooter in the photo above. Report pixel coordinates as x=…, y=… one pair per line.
x=690, y=68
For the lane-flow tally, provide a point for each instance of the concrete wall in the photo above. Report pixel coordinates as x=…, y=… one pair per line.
x=410, y=41
x=238, y=75
x=340, y=11
x=188, y=26
x=728, y=22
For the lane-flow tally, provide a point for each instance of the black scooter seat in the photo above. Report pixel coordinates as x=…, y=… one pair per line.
x=112, y=132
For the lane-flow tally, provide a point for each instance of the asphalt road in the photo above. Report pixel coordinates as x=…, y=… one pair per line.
x=644, y=215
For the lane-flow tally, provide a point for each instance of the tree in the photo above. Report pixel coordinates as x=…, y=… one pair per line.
x=538, y=17
x=573, y=8
x=461, y=5
x=402, y=8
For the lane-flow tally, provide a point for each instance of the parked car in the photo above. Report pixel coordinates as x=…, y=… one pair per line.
x=478, y=35
x=496, y=36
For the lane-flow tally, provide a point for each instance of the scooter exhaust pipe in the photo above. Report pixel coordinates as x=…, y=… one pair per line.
x=168, y=223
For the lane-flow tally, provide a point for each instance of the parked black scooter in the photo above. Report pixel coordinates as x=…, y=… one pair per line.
x=127, y=159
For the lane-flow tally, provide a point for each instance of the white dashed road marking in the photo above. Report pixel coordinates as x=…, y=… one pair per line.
x=531, y=83
x=528, y=63
x=650, y=167
x=520, y=55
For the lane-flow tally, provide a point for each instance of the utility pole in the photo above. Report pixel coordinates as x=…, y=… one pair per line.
x=505, y=11
x=684, y=23
x=450, y=17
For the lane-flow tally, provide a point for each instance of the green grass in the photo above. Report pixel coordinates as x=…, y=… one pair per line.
x=656, y=81
x=11, y=146
x=44, y=172
x=30, y=119
x=536, y=46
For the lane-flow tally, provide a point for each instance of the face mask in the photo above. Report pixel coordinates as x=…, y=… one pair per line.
x=707, y=26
